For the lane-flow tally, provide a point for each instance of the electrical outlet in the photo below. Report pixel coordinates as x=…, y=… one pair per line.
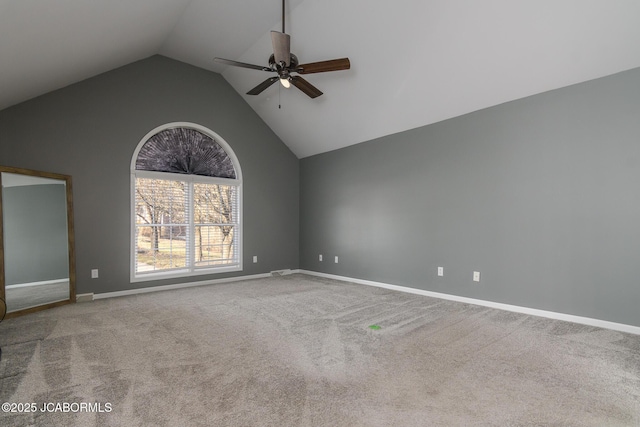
x=440, y=271
x=476, y=276
x=94, y=273
x=336, y=259
x=255, y=259
x=320, y=257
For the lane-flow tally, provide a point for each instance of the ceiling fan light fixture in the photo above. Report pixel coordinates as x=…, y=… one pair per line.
x=285, y=82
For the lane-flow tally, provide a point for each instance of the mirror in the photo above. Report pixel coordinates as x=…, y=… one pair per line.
x=37, y=262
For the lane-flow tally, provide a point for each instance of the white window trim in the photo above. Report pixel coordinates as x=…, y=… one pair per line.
x=191, y=271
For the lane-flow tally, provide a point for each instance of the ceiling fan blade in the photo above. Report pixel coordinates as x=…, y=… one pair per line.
x=241, y=64
x=310, y=90
x=262, y=86
x=281, y=47
x=323, y=66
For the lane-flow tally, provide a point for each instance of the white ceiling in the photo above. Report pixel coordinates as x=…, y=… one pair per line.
x=413, y=62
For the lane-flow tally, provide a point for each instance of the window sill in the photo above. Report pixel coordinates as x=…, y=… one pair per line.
x=161, y=275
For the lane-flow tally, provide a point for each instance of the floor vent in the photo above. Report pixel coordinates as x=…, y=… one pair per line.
x=281, y=272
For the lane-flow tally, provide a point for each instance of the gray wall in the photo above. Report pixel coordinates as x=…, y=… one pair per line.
x=35, y=233
x=89, y=130
x=541, y=195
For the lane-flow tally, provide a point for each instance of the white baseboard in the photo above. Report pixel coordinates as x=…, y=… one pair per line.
x=177, y=286
x=507, y=307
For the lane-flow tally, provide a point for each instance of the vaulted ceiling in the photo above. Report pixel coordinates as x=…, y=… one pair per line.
x=413, y=62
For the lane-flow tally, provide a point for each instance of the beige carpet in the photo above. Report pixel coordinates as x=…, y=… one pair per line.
x=298, y=351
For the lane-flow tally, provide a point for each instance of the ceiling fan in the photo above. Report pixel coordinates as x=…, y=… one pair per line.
x=284, y=63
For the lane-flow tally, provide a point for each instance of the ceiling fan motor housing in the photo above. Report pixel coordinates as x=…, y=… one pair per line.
x=293, y=63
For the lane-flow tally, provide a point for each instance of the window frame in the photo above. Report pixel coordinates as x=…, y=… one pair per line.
x=191, y=270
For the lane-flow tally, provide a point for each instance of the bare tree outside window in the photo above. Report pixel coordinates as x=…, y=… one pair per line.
x=161, y=219
x=213, y=210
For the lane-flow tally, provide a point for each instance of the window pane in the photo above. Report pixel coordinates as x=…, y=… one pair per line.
x=161, y=224
x=214, y=245
x=215, y=224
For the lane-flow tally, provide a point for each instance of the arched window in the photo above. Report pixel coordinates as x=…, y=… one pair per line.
x=186, y=204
